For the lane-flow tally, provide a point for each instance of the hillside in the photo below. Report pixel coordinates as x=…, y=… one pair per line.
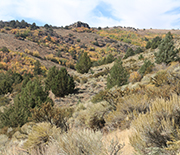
x=126, y=103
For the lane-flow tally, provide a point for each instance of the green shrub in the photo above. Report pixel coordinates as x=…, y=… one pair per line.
x=59, y=81
x=4, y=49
x=146, y=67
x=130, y=52
x=118, y=75
x=138, y=50
x=84, y=63
x=141, y=57
x=109, y=59
x=148, y=45
x=155, y=42
x=5, y=87
x=56, y=116
x=4, y=100
x=99, y=96
x=8, y=80
x=95, y=43
x=17, y=78
x=25, y=81
x=126, y=40
x=78, y=40
x=166, y=51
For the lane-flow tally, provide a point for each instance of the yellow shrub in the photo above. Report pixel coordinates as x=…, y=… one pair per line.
x=36, y=53
x=28, y=51
x=134, y=77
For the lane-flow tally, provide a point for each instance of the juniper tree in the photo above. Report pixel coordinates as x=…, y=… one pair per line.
x=138, y=50
x=37, y=68
x=166, y=52
x=130, y=52
x=59, y=81
x=148, y=45
x=146, y=67
x=62, y=83
x=118, y=75
x=84, y=63
x=109, y=59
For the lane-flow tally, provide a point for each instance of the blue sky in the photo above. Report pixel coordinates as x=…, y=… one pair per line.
x=161, y=14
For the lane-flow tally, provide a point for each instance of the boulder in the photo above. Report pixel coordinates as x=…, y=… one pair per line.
x=27, y=128
x=18, y=138
x=176, y=72
x=79, y=24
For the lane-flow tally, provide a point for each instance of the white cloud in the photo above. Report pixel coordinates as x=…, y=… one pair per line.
x=135, y=13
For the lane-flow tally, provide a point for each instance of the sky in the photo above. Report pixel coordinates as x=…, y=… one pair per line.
x=156, y=14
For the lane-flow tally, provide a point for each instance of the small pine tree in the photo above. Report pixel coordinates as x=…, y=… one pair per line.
x=4, y=49
x=5, y=87
x=37, y=68
x=118, y=75
x=109, y=59
x=155, y=42
x=146, y=67
x=148, y=45
x=130, y=52
x=60, y=82
x=166, y=51
x=138, y=50
x=51, y=75
x=84, y=63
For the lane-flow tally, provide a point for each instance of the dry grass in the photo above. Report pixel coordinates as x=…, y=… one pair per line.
x=122, y=137
x=153, y=131
x=79, y=142
x=41, y=135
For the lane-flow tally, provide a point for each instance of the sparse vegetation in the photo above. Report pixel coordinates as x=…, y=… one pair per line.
x=45, y=109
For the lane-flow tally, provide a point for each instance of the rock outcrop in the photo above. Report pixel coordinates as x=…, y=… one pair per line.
x=79, y=24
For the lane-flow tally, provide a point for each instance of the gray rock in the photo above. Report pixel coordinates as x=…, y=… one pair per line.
x=123, y=87
x=2, y=108
x=134, y=86
x=79, y=24
x=9, y=130
x=18, y=138
x=176, y=72
x=27, y=128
